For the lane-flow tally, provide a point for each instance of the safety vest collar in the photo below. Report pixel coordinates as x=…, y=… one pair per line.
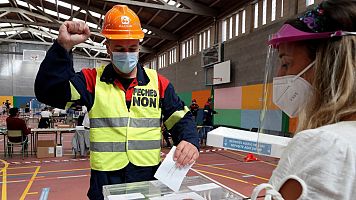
x=109, y=75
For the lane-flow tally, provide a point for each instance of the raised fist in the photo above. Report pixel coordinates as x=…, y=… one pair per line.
x=72, y=33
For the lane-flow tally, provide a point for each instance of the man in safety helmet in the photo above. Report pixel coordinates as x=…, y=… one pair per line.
x=125, y=102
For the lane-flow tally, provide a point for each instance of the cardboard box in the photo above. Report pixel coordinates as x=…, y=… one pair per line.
x=46, y=148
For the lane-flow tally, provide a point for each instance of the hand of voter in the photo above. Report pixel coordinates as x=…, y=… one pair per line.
x=185, y=154
x=72, y=33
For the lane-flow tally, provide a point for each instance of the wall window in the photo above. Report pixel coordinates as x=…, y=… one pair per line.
x=243, y=28
x=146, y=65
x=188, y=48
x=172, y=56
x=237, y=22
x=162, y=60
x=264, y=12
x=204, y=40
x=282, y=8
x=273, y=16
x=230, y=27
x=255, y=22
x=223, y=30
x=309, y=2
x=154, y=64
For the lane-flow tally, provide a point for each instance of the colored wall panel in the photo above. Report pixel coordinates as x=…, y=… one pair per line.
x=201, y=96
x=4, y=98
x=251, y=119
x=228, y=98
x=293, y=123
x=228, y=117
x=20, y=102
x=186, y=97
x=270, y=104
x=252, y=97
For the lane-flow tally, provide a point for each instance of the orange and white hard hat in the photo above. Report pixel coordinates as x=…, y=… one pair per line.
x=122, y=23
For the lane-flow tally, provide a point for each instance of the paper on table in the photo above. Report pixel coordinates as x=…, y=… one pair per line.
x=169, y=174
x=126, y=196
x=180, y=196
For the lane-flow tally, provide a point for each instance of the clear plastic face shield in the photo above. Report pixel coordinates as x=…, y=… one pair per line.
x=286, y=88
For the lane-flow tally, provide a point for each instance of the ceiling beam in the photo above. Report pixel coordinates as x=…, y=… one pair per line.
x=195, y=8
x=163, y=34
x=19, y=10
x=42, y=12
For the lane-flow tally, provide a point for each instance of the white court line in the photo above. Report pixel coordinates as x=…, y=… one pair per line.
x=62, y=177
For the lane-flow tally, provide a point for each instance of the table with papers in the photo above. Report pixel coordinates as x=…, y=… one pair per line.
x=193, y=187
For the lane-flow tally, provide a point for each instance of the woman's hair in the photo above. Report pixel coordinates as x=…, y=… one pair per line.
x=334, y=81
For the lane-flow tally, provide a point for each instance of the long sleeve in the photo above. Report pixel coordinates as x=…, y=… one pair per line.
x=178, y=119
x=57, y=83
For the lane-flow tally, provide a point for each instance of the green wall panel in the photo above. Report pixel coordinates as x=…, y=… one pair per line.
x=228, y=117
x=186, y=97
x=285, y=122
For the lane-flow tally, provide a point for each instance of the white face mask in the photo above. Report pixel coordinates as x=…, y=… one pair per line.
x=125, y=62
x=291, y=93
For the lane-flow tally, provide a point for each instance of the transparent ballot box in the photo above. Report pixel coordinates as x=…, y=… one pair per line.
x=193, y=187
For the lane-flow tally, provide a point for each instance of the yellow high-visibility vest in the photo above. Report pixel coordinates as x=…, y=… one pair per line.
x=118, y=135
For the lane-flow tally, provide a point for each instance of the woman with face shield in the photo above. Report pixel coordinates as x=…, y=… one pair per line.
x=316, y=82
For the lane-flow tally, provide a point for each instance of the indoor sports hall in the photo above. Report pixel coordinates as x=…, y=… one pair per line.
x=95, y=94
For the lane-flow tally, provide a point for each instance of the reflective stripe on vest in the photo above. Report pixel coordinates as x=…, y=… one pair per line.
x=121, y=146
x=123, y=121
x=119, y=136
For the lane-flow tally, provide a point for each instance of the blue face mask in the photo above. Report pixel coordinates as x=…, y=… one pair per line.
x=125, y=62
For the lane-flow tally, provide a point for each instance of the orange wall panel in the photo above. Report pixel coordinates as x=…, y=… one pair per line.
x=252, y=97
x=293, y=123
x=201, y=96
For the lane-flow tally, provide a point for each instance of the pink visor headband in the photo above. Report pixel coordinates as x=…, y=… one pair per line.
x=289, y=34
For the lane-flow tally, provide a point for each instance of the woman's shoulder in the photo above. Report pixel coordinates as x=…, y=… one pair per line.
x=342, y=133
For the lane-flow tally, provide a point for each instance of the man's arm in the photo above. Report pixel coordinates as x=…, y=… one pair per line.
x=178, y=120
x=56, y=83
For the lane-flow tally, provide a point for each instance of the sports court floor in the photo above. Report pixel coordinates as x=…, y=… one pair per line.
x=68, y=177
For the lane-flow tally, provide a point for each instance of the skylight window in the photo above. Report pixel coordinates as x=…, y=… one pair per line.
x=94, y=14
x=67, y=5
x=144, y=30
x=22, y=3
x=51, y=1
x=5, y=24
x=51, y=12
x=2, y=33
x=92, y=25
x=11, y=32
x=55, y=32
x=172, y=3
x=149, y=32
x=4, y=1
x=83, y=11
x=63, y=16
x=76, y=19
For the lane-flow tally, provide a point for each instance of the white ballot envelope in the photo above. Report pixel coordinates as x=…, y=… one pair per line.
x=169, y=174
